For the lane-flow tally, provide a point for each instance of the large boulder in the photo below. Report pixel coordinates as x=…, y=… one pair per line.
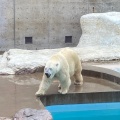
x=100, y=38
x=18, y=61
x=100, y=30
x=32, y=114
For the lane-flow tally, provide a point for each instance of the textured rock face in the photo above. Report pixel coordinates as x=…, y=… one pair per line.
x=100, y=40
x=4, y=118
x=26, y=61
x=17, y=61
x=100, y=29
x=32, y=114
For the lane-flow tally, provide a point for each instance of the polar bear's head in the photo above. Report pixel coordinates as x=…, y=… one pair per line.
x=51, y=68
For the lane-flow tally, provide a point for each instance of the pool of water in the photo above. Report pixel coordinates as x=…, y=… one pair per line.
x=96, y=111
x=18, y=91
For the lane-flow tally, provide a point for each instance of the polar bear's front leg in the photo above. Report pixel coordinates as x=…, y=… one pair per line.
x=44, y=85
x=65, y=84
x=40, y=92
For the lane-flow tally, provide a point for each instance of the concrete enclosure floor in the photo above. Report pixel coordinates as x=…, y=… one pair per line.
x=18, y=91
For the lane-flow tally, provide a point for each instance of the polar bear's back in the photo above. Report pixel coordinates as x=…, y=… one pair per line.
x=72, y=60
x=70, y=54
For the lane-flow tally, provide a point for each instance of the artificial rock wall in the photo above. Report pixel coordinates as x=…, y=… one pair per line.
x=45, y=23
x=100, y=30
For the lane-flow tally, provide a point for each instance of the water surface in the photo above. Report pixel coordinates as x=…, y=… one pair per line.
x=18, y=91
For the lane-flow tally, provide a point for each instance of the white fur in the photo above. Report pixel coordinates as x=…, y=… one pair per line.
x=62, y=65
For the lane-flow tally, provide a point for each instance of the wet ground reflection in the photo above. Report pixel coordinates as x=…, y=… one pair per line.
x=18, y=91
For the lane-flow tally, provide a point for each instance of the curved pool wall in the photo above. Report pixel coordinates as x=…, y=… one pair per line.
x=106, y=71
x=97, y=71
x=96, y=111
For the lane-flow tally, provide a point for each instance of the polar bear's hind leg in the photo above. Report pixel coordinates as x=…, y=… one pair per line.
x=78, y=78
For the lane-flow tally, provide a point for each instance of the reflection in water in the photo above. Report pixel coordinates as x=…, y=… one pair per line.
x=28, y=79
x=31, y=81
x=18, y=91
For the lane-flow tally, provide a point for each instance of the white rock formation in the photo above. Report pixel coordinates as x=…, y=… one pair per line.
x=17, y=61
x=100, y=40
x=32, y=114
x=100, y=30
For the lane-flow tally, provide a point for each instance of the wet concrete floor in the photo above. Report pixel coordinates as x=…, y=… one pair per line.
x=18, y=91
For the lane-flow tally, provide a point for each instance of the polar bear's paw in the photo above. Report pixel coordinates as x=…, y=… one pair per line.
x=78, y=83
x=38, y=93
x=59, y=86
x=62, y=92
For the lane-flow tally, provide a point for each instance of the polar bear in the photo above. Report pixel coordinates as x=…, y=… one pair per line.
x=62, y=65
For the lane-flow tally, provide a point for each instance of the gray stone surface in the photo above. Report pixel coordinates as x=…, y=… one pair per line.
x=32, y=114
x=99, y=42
x=80, y=98
x=6, y=25
x=5, y=118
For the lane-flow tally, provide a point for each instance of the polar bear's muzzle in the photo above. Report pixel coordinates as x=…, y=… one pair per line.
x=48, y=72
x=47, y=75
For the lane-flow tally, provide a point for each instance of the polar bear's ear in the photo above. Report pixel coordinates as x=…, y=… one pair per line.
x=57, y=64
x=57, y=67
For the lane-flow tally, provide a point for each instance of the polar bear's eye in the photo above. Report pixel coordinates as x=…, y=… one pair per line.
x=50, y=68
x=45, y=68
x=57, y=64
